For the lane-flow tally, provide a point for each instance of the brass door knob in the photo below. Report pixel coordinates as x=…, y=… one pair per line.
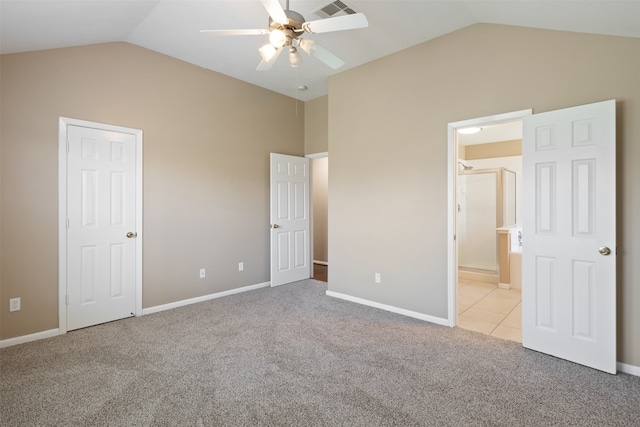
x=132, y=234
x=604, y=251
x=275, y=226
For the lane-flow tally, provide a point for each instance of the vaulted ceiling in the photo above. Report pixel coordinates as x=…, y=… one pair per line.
x=172, y=27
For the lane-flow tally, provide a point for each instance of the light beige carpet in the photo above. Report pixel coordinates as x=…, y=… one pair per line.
x=293, y=356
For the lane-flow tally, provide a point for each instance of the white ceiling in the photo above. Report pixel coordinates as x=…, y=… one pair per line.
x=172, y=27
x=508, y=131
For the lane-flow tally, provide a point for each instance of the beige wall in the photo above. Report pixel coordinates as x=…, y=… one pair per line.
x=389, y=213
x=207, y=139
x=320, y=182
x=316, y=114
x=3, y=295
x=316, y=128
x=492, y=149
x=462, y=151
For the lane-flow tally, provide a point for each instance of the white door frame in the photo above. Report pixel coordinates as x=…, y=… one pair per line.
x=452, y=156
x=63, y=123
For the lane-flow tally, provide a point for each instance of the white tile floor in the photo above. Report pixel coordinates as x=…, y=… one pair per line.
x=485, y=308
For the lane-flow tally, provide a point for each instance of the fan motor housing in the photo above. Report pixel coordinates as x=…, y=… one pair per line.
x=294, y=24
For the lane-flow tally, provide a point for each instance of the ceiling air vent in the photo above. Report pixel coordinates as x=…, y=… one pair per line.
x=336, y=8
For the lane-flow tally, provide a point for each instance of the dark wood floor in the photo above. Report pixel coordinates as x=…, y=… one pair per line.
x=320, y=272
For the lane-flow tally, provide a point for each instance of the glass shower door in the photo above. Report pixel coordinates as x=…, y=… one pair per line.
x=477, y=221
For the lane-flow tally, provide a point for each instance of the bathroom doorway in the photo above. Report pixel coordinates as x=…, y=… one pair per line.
x=488, y=232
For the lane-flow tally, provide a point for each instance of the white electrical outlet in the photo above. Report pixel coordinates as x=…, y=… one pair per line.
x=377, y=277
x=241, y=266
x=202, y=273
x=14, y=304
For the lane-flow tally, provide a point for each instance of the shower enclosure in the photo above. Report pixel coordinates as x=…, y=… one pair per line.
x=486, y=201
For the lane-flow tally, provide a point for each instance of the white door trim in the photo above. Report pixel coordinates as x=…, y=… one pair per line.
x=63, y=123
x=452, y=177
x=317, y=155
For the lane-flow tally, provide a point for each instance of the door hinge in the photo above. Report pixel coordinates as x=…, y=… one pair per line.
x=67, y=146
x=66, y=299
x=67, y=222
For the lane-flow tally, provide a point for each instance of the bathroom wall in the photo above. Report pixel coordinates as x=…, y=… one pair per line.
x=492, y=149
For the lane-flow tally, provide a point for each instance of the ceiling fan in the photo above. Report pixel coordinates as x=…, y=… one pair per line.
x=285, y=28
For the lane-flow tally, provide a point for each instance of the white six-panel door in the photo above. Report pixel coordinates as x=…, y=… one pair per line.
x=290, y=258
x=101, y=226
x=569, y=227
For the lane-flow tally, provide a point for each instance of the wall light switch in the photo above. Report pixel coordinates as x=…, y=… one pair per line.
x=377, y=277
x=202, y=273
x=241, y=266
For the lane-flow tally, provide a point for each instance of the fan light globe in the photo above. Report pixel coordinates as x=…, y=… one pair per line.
x=277, y=38
x=267, y=52
x=294, y=57
x=308, y=46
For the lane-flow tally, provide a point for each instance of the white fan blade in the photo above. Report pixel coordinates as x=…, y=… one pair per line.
x=339, y=23
x=236, y=32
x=275, y=10
x=328, y=58
x=266, y=65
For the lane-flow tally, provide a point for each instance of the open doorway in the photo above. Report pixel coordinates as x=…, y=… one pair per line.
x=488, y=205
x=459, y=159
x=559, y=154
x=319, y=215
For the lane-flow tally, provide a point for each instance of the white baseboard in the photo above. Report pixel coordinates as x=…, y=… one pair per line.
x=31, y=337
x=621, y=367
x=203, y=298
x=628, y=369
x=402, y=311
x=320, y=262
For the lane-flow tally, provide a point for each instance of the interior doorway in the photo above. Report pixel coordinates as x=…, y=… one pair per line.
x=489, y=199
x=319, y=215
x=479, y=292
x=562, y=249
